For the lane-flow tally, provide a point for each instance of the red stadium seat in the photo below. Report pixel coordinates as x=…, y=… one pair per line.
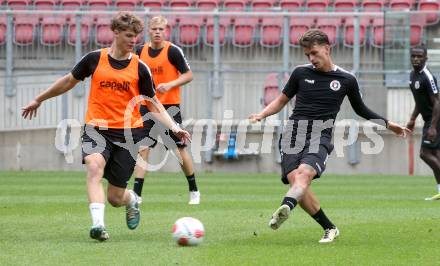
x=317, y=5
x=235, y=4
x=99, y=5
x=103, y=33
x=377, y=33
x=209, y=30
x=18, y=4
x=291, y=5
x=262, y=4
x=271, y=87
x=416, y=34
x=71, y=5
x=271, y=31
x=417, y=24
x=349, y=31
x=126, y=5
x=3, y=23
x=400, y=4
x=180, y=3
x=373, y=5
x=189, y=31
x=330, y=27
x=344, y=5
x=297, y=27
x=45, y=4
x=430, y=5
x=25, y=29
x=207, y=5
x=52, y=29
x=243, y=31
x=153, y=4
x=85, y=30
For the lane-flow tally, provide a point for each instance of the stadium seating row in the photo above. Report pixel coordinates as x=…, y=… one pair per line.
x=241, y=31
x=291, y=5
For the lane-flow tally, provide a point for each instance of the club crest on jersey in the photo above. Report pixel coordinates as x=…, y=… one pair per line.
x=417, y=84
x=335, y=85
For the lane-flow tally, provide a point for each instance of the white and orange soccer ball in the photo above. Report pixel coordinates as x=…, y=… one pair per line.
x=188, y=231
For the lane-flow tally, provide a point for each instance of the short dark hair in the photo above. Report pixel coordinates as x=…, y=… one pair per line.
x=420, y=47
x=312, y=37
x=127, y=21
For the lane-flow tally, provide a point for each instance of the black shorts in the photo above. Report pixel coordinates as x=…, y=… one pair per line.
x=427, y=143
x=153, y=130
x=120, y=161
x=317, y=160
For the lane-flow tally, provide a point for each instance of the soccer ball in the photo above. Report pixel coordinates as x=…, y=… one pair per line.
x=188, y=231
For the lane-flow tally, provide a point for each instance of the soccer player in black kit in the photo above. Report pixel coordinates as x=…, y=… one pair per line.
x=320, y=88
x=424, y=88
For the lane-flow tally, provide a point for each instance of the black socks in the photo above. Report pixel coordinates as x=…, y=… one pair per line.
x=137, y=188
x=192, y=183
x=322, y=219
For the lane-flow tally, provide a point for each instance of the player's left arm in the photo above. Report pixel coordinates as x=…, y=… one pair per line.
x=180, y=81
x=146, y=89
x=431, y=134
x=358, y=105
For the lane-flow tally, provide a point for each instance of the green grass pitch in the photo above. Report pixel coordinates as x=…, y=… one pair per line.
x=44, y=220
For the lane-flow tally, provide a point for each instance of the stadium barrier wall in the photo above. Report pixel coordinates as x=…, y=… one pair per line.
x=35, y=150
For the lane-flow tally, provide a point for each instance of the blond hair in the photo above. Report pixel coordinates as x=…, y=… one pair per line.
x=157, y=20
x=127, y=21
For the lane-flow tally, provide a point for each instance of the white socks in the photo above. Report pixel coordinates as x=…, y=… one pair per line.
x=97, y=212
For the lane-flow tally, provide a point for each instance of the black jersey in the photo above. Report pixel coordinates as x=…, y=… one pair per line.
x=423, y=84
x=319, y=95
x=87, y=65
x=175, y=56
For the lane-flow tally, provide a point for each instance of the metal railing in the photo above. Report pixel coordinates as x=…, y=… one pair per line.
x=230, y=68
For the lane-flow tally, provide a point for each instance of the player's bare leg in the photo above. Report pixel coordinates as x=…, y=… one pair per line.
x=118, y=196
x=432, y=158
x=310, y=204
x=299, y=180
x=95, y=164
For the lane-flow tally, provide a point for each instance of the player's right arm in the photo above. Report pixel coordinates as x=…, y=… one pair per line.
x=276, y=105
x=60, y=86
x=84, y=68
x=412, y=120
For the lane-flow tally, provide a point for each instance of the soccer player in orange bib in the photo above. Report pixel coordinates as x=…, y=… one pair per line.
x=113, y=124
x=170, y=71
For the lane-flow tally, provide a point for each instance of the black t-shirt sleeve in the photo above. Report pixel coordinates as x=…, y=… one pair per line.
x=178, y=59
x=146, y=84
x=430, y=84
x=358, y=105
x=138, y=49
x=292, y=85
x=86, y=66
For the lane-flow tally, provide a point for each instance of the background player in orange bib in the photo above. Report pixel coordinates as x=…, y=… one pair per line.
x=170, y=71
x=118, y=80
